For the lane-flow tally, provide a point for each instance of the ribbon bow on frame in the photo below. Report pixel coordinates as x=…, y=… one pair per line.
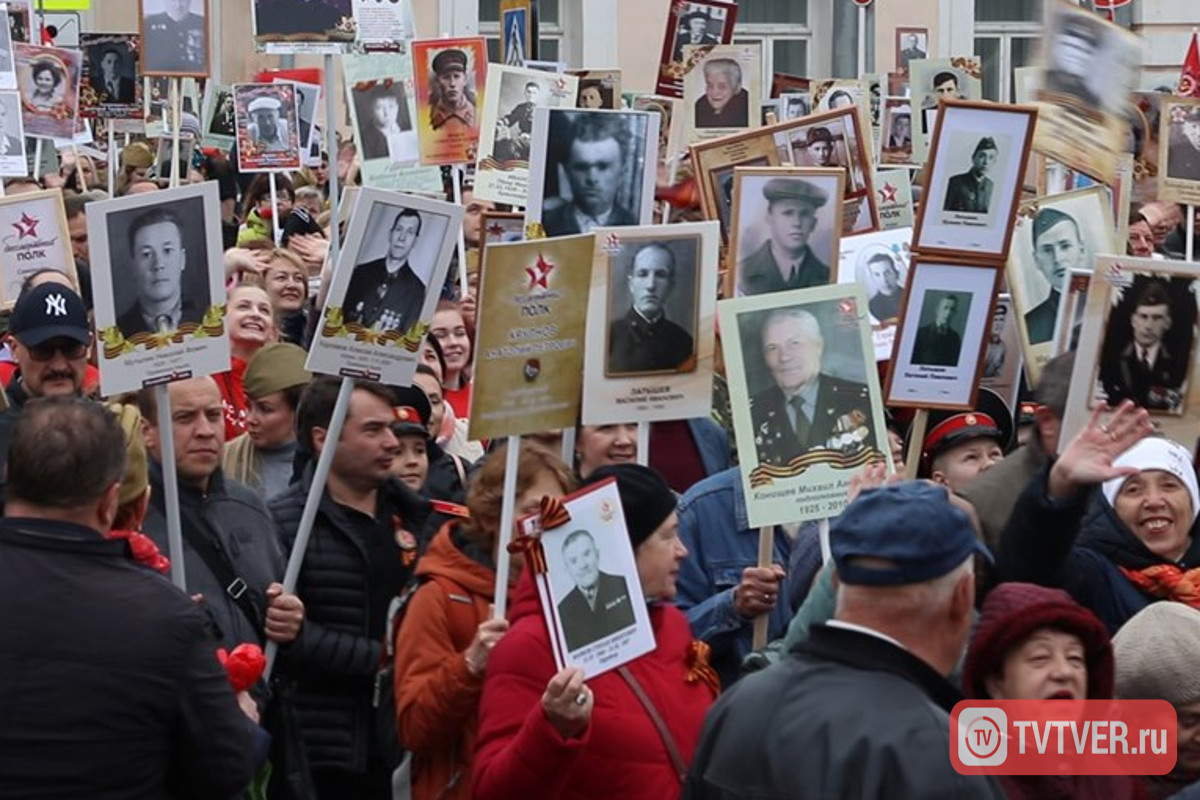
x=553, y=514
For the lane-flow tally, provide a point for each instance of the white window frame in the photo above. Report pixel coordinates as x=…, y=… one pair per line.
x=766, y=35
x=1006, y=32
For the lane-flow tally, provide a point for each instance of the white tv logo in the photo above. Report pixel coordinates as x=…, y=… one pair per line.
x=982, y=737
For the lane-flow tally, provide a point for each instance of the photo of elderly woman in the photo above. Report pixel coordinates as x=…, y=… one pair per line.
x=725, y=103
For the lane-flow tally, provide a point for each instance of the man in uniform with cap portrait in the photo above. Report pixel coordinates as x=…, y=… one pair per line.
x=971, y=191
x=644, y=340
x=516, y=146
x=386, y=293
x=693, y=30
x=805, y=407
x=452, y=99
x=1073, y=59
x=266, y=129
x=175, y=40
x=1183, y=155
x=785, y=260
x=1058, y=249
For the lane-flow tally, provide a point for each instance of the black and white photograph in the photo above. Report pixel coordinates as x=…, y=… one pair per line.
x=768, y=112
x=303, y=26
x=111, y=85
x=722, y=180
x=835, y=139
x=8, y=75
x=174, y=37
x=385, y=286
x=591, y=169
x=878, y=262
x=268, y=135
x=520, y=94
x=895, y=135
x=591, y=595
x=48, y=79
x=308, y=95
x=974, y=179
x=385, y=126
x=1075, y=71
x=794, y=105
x=785, y=227
x=20, y=16
x=691, y=23
x=158, y=279
x=218, y=117
x=943, y=332
x=12, y=137
x=1003, y=356
x=934, y=81
x=912, y=44
x=598, y=88
x=835, y=93
x=1179, y=151
x=698, y=26
x=166, y=149
x=723, y=91
x=670, y=122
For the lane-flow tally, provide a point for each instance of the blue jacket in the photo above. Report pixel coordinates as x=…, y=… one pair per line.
x=714, y=527
x=713, y=443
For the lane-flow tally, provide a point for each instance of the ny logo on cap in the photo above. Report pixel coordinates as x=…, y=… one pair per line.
x=56, y=304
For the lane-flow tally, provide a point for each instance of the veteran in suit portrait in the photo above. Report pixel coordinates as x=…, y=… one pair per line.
x=644, y=340
x=386, y=293
x=786, y=260
x=599, y=604
x=971, y=191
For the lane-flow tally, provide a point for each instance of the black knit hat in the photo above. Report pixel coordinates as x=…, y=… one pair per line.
x=646, y=498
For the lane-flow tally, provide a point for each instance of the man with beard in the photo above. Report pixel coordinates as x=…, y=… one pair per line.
x=386, y=293
x=1057, y=249
x=596, y=162
x=644, y=340
x=785, y=260
x=971, y=191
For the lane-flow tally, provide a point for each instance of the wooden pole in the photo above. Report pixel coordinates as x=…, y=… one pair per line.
x=916, y=442
x=766, y=550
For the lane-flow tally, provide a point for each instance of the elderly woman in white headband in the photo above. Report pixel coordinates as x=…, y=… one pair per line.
x=1120, y=549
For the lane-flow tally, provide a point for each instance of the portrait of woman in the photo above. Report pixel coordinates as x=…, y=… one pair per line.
x=48, y=83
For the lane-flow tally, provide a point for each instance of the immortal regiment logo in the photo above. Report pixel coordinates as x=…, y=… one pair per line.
x=1063, y=737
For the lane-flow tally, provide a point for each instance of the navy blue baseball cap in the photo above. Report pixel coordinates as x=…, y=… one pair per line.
x=911, y=529
x=49, y=311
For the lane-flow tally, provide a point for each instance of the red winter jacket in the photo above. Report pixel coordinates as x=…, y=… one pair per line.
x=520, y=754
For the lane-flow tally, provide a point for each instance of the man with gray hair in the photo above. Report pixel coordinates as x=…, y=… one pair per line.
x=599, y=604
x=804, y=407
x=724, y=104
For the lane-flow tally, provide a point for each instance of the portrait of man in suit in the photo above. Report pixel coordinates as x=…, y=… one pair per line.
x=914, y=47
x=599, y=604
x=387, y=294
x=1073, y=60
x=1147, y=371
x=110, y=77
x=1058, y=248
x=159, y=258
x=971, y=191
x=597, y=158
x=693, y=29
x=643, y=339
x=785, y=260
x=939, y=342
x=803, y=407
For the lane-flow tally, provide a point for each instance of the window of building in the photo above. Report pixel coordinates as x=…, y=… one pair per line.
x=1007, y=33
x=550, y=32
x=781, y=28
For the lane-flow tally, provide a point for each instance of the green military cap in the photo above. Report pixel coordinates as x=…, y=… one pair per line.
x=794, y=189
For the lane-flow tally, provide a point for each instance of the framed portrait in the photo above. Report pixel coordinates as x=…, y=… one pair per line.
x=1138, y=342
x=837, y=139
x=268, y=128
x=155, y=102
x=518, y=22
x=39, y=240
x=794, y=105
x=878, y=262
x=912, y=44
x=938, y=357
x=383, y=113
x=893, y=192
x=782, y=83
x=722, y=91
x=785, y=227
x=20, y=20
x=713, y=164
x=768, y=112
x=502, y=171
x=218, y=119
x=385, y=286
x=162, y=158
x=598, y=88
x=12, y=137
x=1002, y=354
x=174, y=38
x=836, y=93
x=670, y=122
x=895, y=132
x=974, y=180
x=590, y=554
x=651, y=308
x=48, y=79
x=691, y=23
x=1179, y=150
x=450, y=75
x=307, y=97
x=158, y=279
x=111, y=86
x=1053, y=238
x=301, y=26
x=804, y=392
x=933, y=81
x=1074, y=304
x=1088, y=68
x=8, y=74
x=563, y=199
x=500, y=227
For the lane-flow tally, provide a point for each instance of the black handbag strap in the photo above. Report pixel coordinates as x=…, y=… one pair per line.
x=667, y=739
x=219, y=564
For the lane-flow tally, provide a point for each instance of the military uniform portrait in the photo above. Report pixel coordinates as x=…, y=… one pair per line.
x=174, y=37
x=653, y=297
x=971, y=191
x=520, y=94
x=449, y=78
x=387, y=291
x=911, y=44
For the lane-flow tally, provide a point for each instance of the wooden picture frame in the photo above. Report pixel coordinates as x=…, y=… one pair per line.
x=674, y=63
x=901, y=36
x=850, y=141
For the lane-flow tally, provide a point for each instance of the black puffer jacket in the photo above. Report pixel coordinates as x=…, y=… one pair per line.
x=352, y=569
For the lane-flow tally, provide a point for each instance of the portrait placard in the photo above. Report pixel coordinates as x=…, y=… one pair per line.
x=1145, y=122
x=303, y=26
x=12, y=137
x=20, y=20
x=307, y=97
x=835, y=93
x=670, y=122
x=649, y=348
x=938, y=355
x=878, y=262
x=529, y=339
x=785, y=227
x=837, y=139
x=1138, y=342
x=166, y=148
x=590, y=556
x=8, y=67
x=383, y=25
x=974, y=180
x=590, y=169
x=794, y=105
x=1002, y=355
x=932, y=81
x=506, y=139
x=385, y=286
x=695, y=23
x=912, y=44
x=450, y=80
x=895, y=133
x=39, y=239
x=723, y=90
x=893, y=191
x=218, y=119
x=1179, y=151
x=112, y=85
x=598, y=88
x=268, y=128
x=498, y=227
x=804, y=392
x=1089, y=67
x=1054, y=237
x=713, y=163
x=158, y=279
x=48, y=79
x=174, y=37
x=1074, y=304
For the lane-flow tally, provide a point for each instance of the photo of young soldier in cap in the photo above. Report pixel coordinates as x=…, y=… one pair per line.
x=267, y=126
x=836, y=139
x=971, y=191
x=174, y=37
x=450, y=82
x=786, y=227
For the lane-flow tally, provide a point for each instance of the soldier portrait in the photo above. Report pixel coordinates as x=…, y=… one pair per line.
x=387, y=293
x=971, y=191
x=452, y=96
x=652, y=308
x=174, y=37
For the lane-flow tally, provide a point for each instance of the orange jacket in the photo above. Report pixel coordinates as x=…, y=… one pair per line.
x=437, y=698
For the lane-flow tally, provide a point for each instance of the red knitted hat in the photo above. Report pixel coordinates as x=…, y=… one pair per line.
x=1012, y=612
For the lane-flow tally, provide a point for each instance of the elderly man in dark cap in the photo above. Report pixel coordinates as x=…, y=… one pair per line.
x=904, y=556
x=971, y=191
x=1058, y=249
x=266, y=129
x=785, y=260
x=453, y=102
x=1073, y=57
x=644, y=340
x=693, y=30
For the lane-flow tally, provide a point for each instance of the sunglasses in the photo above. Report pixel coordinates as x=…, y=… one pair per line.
x=71, y=350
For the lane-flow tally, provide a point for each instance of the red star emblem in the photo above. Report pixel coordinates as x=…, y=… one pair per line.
x=539, y=273
x=27, y=226
x=1178, y=113
x=888, y=193
x=495, y=229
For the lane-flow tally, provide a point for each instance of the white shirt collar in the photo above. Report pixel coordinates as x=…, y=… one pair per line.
x=850, y=626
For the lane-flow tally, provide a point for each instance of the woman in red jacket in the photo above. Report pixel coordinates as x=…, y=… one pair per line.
x=544, y=733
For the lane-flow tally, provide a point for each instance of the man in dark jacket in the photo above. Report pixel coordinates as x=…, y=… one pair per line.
x=361, y=553
x=599, y=604
x=862, y=709
x=109, y=679
x=644, y=340
x=971, y=191
x=387, y=293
